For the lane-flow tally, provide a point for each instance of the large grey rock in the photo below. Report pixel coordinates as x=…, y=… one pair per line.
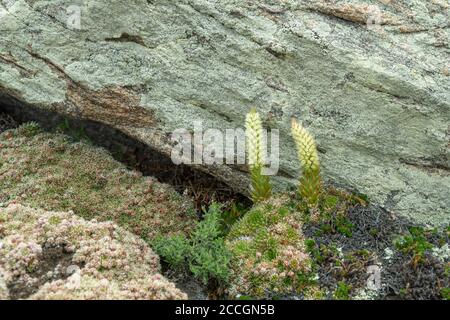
x=377, y=99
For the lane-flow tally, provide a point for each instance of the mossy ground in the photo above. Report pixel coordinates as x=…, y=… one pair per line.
x=280, y=248
x=269, y=252
x=50, y=171
x=337, y=247
x=58, y=255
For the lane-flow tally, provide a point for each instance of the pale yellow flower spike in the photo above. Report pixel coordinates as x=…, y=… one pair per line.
x=254, y=132
x=260, y=184
x=310, y=187
x=306, y=147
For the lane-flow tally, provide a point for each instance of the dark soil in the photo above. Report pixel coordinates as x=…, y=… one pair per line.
x=373, y=228
x=373, y=231
x=421, y=282
x=52, y=266
x=185, y=282
x=6, y=122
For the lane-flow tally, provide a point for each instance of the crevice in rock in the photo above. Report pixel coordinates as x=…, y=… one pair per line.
x=204, y=188
x=358, y=14
x=276, y=54
x=8, y=59
x=272, y=10
x=433, y=165
x=125, y=37
x=112, y=105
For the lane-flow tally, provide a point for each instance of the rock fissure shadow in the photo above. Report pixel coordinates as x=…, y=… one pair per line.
x=201, y=186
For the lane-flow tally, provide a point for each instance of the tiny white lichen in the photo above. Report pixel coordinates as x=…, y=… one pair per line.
x=442, y=253
x=388, y=254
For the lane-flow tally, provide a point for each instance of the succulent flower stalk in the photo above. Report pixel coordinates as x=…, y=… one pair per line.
x=310, y=187
x=260, y=188
x=306, y=147
x=254, y=134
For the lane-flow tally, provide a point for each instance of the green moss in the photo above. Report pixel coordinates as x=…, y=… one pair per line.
x=331, y=215
x=403, y=292
x=330, y=202
x=414, y=243
x=49, y=171
x=445, y=292
x=360, y=198
x=29, y=129
x=231, y=216
x=374, y=232
x=120, y=264
x=315, y=252
x=253, y=221
x=260, y=239
x=269, y=254
x=343, y=291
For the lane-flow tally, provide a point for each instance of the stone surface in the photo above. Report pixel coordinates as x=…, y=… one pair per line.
x=377, y=98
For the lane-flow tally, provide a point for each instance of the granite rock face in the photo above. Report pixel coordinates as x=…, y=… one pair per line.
x=376, y=95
